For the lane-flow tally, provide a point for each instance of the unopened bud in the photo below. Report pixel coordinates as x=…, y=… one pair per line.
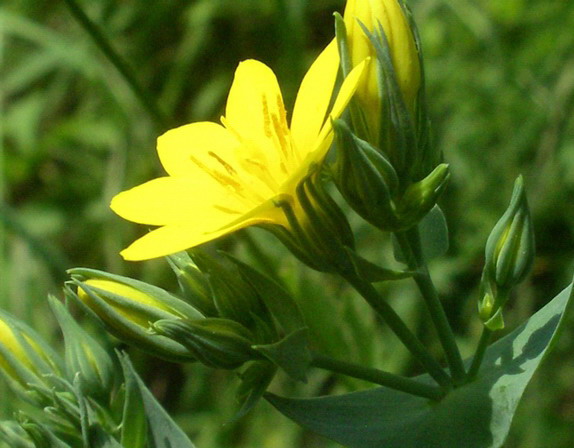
x=84, y=355
x=24, y=357
x=219, y=343
x=365, y=178
x=233, y=297
x=127, y=308
x=510, y=247
x=193, y=283
x=421, y=197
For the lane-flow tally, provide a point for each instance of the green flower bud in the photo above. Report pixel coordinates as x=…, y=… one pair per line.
x=509, y=250
x=84, y=355
x=193, y=283
x=486, y=307
x=365, y=178
x=233, y=297
x=24, y=357
x=219, y=343
x=127, y=308
x=421, y=197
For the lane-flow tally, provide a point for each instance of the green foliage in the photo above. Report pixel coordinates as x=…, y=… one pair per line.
x=479, y=412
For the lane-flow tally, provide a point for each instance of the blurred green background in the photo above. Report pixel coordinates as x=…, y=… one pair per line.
x=500, y=80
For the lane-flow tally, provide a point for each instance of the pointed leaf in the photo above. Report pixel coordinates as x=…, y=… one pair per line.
x=373, y=273
x=433, y=230
x=276, y=298
x=163, y=431
x=477, y=415
x=434, y=234
x=134, y=424
x=254, y=382
x=291, y=354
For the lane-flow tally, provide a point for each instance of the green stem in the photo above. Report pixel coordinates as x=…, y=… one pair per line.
x=125, y=70
x=502, y=295
x=479, y=354
x=393, y=320
x=410, y=245
x=376, y=376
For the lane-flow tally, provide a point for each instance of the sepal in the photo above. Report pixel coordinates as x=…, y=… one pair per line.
x=216, y=342
x=84, y=355
x=318, y=231
x=421, y=197
x=193, y=282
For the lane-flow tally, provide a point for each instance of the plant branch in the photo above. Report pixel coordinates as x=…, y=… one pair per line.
x=376, y=376
x=410, y=245
x=479, y=354
x=393, y=320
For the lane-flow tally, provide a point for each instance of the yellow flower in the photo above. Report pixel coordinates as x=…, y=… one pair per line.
x=222, y=178
x=401, y=44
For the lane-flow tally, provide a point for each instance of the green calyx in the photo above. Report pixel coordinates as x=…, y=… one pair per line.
x=510, y=247
x=218, y=343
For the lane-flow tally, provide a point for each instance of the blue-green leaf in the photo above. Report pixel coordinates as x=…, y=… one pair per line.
x=433, y=230
x=477, y=415
x=254, y=382
x=290, y=353
x=434, y=234
x=134, y=424
x=163, y=432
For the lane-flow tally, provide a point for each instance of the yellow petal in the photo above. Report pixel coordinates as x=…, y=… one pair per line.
x=175, y=238
x=313, y=99
x=209, y=143
x=355, y=12
x=346, y=92
x=322, y=142
x=255, y=112
x=172, y=200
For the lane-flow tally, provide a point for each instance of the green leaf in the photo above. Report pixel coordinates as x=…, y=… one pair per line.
x=134, y=424
x=254, y=382
x=476, y=415
x=98, y=438
x=433, y=230
x=434, y=234
x=163, y=432
x=291, y=354
x=372, y=273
